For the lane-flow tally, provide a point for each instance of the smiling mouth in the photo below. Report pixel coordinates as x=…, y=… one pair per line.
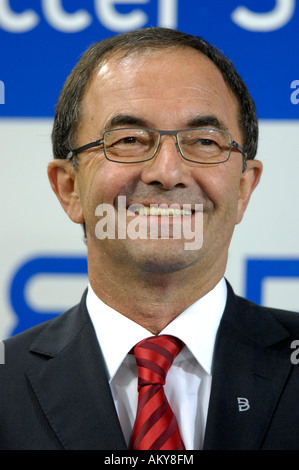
x=154, y=210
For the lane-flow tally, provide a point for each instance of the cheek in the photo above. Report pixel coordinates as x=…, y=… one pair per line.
x=221, y=189
x=217, y=183
x=103, y=181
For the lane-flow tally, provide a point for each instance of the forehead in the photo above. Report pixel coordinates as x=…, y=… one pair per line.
x=164, y=88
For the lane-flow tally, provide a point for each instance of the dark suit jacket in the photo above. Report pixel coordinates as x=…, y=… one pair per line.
x=55, y=395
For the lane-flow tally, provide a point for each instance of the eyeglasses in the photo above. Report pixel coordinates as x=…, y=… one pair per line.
x=130, y=145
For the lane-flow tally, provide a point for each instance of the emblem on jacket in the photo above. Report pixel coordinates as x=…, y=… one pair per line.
x=243, y=404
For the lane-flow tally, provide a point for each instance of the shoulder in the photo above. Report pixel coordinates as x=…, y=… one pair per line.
x=261, y=323
x=288, y=319
x=45, y=339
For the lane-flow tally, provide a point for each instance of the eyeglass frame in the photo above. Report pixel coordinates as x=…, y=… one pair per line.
x=99, y=142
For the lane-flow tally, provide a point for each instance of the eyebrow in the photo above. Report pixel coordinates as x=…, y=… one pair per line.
x=205, y=120
x=124, y=120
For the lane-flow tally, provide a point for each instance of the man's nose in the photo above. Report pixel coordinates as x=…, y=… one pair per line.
x=167, y=168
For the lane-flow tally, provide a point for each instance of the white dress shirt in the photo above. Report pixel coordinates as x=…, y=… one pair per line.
x=188, y=381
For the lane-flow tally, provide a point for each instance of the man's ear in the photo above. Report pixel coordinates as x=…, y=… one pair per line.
x=249, y=180
x=62, y=177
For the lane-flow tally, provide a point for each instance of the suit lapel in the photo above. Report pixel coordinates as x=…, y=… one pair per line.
x=71, y=384
x=249, y=373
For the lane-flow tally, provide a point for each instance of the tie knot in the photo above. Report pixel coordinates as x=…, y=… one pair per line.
x=154, y=356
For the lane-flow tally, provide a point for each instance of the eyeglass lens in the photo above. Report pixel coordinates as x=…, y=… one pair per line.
x=200, y=145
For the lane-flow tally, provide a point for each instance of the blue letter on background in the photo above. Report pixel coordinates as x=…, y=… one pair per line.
x=46, y=265
x=259, y=269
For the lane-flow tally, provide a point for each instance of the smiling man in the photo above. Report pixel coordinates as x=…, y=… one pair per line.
x=154, y=132
x=168, y=89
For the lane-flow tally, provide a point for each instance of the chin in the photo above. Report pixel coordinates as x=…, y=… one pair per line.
x=163, y=256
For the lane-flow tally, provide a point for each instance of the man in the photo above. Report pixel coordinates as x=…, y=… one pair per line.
x=154, y=133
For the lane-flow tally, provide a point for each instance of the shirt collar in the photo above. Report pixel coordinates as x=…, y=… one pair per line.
x=196, y=327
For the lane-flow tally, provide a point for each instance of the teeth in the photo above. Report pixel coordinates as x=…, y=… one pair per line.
x=161, y=211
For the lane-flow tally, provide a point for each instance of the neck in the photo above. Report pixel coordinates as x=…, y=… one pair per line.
x=151, y=299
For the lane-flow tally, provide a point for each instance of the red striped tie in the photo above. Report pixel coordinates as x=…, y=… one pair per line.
x=155, y=426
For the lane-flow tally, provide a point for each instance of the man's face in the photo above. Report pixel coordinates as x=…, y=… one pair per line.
x=168, y=90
